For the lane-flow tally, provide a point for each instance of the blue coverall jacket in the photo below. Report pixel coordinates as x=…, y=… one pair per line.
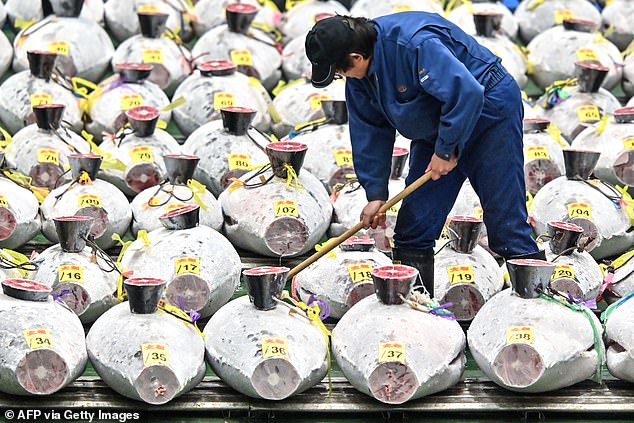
x=436, y=85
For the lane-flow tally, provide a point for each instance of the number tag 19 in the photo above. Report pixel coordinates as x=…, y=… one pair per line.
x=460, y=274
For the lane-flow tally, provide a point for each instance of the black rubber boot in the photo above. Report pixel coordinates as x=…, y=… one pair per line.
x=422, y=260
x=537, y=255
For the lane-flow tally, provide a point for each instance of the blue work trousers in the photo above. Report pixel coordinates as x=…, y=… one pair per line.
x=493, y=161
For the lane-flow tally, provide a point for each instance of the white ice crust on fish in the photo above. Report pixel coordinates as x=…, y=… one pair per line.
x=619, y=334
x=535, y=18
x=25, y=208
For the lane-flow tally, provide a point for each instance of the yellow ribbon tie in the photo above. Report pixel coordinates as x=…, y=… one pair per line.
x=177, y=312
x=124, y=246
x=621, y=260
x=180, y=101
x=23, y=24
x=292, y=180
x=599, y=38
x=107, y=161
x=628, y=50
x=268, y=29
x=320, y=247
x=451, y=5
x=311, y=123
x=142, y=235
x=7, y=138
x=534, y=4
x=17, y=259
x=554, y=131
x=198, y=190
x=267, y=99
x=161, y=124
x=602, y=124
x=235, y=184
x=81, y=86
x=529, y=201
x=25, y=181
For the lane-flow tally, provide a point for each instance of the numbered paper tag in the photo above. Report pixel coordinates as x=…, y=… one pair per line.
x=391, y=352
x=148, y=8
x=285, y=208
x=48, y=155
x=563, y=271
x=520, y=334
x=478, y=212
x=183, y=265
x=223, y=99
x=153, y=55
x=628, y=143
x=89, y=200
x=142, y=153
x=70, y=273
x=315, y=100
x=535, y=152
x=402, y=8
x=393, y=211
x=155, y=354
x=173, y=206
x=59, y=47
x=38, y=99
x=588, y=113
x=242, y=57
x=3, y=201
x=38, y=338
x=580, y=210
x=129, y=101
x=562, y=14
x=360, y=272
x=274, y=347
x=460, y=274
x=239, y=161
x=343, y=157
x=584, y=54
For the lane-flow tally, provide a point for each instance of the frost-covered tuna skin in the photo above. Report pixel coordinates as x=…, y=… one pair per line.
x=85, y=48
x=31, y=10
x=251, y=221
x=205, y=287
x=211, y=13
x=586, y=274
x=619, y=340
x=300, y=19
x=374, y=9
x=99, y=199
x=463, y=17
x=120, y=361
x=615, y=16
x=31, y=370
x=6, y=53
x=433, y=348
x=535, y=18
x=19, y=218
x=560, y=354
x=233, y=342
x=90, y=295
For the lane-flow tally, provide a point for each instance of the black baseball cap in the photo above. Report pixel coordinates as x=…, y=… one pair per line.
x=326, y=44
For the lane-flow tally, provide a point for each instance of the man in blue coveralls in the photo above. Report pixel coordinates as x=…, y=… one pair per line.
x=420, y=74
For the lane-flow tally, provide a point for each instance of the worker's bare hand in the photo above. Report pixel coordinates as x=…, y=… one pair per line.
x=370, y=216
x=440, y=167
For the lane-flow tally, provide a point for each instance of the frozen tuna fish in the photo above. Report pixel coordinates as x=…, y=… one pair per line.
x=489, y=33
x=15, y=265
x=215, y=86
x=554, y=52
x=615, y=141
x=299, y=102
x=227, y=149
x=251, y=49
x=349, y=198
x=201, y=267
x=121, y=16
x=19, y=212
x=594, y=205
x=299, y=19
x=275, y=211
x=343, y=277
x=465, y=274
x=211, y=13
x=259, y=347
x=527, y=342
x=577, y=274
x=535, y=17
x=23, y=13
x=573, y=105
x=20, y=92
x=412, y=353
x=41, y=150
x=464, y=13
x=619, y=278
x=141, y=149
x=543, y=155
x=127, y=89
x=373, y=9
x=329, y=155
x=83, y=47
x=6, y=54
x=81, y=276
x=150, y=356
x=168, y=55
x=43, y=348
x=86, y=195
x=619, y=321
x=615, y=16
x=178, y=190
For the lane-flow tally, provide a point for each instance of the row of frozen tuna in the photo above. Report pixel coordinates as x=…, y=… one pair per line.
x=529, y=338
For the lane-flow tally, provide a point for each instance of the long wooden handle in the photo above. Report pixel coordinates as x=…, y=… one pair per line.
x=331, y=244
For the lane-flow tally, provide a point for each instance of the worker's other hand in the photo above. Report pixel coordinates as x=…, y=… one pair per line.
x=370, y=216
x=440, y=167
